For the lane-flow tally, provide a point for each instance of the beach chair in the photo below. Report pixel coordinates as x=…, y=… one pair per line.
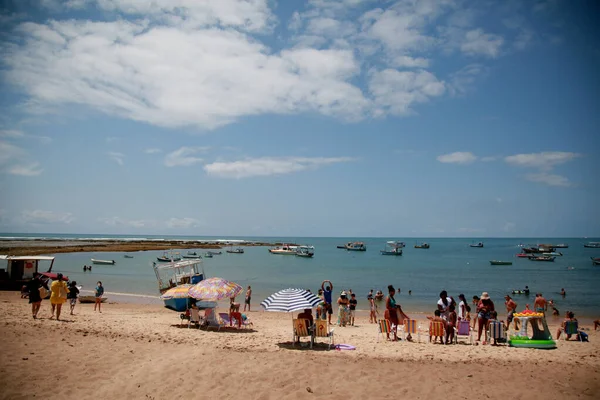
x=194, y=317
x=571, y=328
x=436, y=328
x=463, y=330
x=411, y=327
x=323, y=331
x=385, y=327
x=211, y=320
x=302, y=329
x=247, y=324
x=496, y=331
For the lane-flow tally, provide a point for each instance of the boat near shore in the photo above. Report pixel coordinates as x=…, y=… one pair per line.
x=285, y=250
x=305, y=251
x=553, y=254
x=561, y=246
x=91, y=299
x=103, y=262
x=392, y=248
x=542, y=258
x=497, y=262
x=127, y=256
x=239, y=250
x=592, y=245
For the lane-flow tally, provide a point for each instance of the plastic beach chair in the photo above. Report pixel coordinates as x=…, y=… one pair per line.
x=463, y=330
x=194, y=317
x=411, y=327
x=323, y=331
x=385, y=327
x=301, y=329
x=571, y=328
x=436, y=328
x=211, y=319
x=496, y=331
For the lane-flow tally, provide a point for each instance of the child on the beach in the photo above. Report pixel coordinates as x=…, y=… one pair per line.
x=437, y=318
x=353, y=304
x=373, y=309
x=452, y=317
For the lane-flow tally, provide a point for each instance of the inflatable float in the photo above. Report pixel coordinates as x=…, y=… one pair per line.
x=540, y=337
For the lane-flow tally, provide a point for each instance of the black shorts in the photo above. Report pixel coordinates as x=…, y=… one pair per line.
x=247, y=301
x=329, y=308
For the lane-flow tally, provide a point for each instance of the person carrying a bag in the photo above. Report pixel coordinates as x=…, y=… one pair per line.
x=58, y=295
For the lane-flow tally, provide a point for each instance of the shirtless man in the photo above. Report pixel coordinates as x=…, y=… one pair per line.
x=540, y=304
x=511, y=307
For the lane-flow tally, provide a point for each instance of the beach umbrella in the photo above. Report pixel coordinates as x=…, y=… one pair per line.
x=290, y=300
x=178, y=292
x=214, y=289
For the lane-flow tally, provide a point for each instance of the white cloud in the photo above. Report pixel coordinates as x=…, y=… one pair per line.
x=477, y=42
x=544, y=161
x=9, y=153
x=548, y=179
x=182, y=222
x=463, y=80
x=459, y=157
x=396, y=91
x=32, y=169
x=116, y=157
x=134, y=223
x=152, y=151
x=11, y=133
x=184, y=156
x=47, y=217
x=267, y=166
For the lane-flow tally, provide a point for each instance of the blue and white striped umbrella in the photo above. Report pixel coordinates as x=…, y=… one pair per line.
x=290, y=300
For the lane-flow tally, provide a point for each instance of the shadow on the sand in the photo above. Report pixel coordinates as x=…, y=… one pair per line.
x=228, y=329
x=303, y=346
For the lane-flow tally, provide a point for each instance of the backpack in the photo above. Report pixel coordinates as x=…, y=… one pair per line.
x=583, y=336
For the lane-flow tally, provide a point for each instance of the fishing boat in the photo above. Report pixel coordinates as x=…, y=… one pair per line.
x=192, y=253
x=192, y=256
x=208, y=255
x=169, y=256
x=592, y=245
x=239, y=250
x=392, y=248
x=595, y=260
x=553, y=254
x=496, y=262
x=214, y=253
x=542, y=258
x=356, y=246
x=523, y=255
x=91, y=299
x=561, y=246
x=343, y=246
x=480, y=244
x=422, y=246
x=105, y=262
x=181, y=273
x=285, y=250
x=127, y=256
x=305, y=251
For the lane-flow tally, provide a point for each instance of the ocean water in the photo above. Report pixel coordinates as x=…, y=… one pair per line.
x=450, y=264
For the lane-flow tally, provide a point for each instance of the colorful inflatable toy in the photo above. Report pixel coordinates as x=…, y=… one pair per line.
x=540, y=338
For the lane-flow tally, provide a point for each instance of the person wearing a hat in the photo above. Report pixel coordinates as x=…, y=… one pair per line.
x=343, y=310
x=484, y=309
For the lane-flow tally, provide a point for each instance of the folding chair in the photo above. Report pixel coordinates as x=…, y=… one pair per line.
x=322, y=330
x=497, y=332
x=211, y=320
x=463, y=330
x=571, y=328
x=411, y=327
x=385, y=326
x=194, y=317
x=301, y=329
x=436, y=328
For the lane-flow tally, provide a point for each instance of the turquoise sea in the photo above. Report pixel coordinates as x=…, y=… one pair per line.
x=450, y=264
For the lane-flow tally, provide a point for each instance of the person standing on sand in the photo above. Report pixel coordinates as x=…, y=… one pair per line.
x=484, y=310
x=511, y=307
x=372, y=309
x=58, y=296
x=248, y=298
x=343, y=309
x=462, y=307
x=72, y=295
x=475, y=301
x=327, y=291
x=353, y=304
x=98, y=293
x=35, y=297
x=443, y=304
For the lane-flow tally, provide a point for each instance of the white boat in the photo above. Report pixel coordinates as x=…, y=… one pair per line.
x=392, y=248
x=356, y=246
x=553, y=253
x=284, y=250
x=178, y=273
x=305, y=251
x=105, y=262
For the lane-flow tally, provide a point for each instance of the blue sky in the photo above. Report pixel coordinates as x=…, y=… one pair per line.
x=300, y=118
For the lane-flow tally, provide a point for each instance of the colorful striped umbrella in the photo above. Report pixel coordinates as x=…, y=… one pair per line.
x=290, y=300
x=178, y=292
x=214, y=289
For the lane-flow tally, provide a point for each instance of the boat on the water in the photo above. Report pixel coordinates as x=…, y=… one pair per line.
x=192, y=253
x=553, y=254
x=127, y=256
x=480, y=244
x=208, y=255
x=392, y=248
x=595, y=260
x=542, y=248
x=239, y=250
x=305, y=251
x=192, y=256
x=104, y=262
x=169, y=256
x=561, y=246
x=523, y=255
x=214, y=253
x=356, y=246
x=91, y=299
x=343, y=246
x=542, y=258
x=285, y=250
x=496, y=262
x=592, y=245
x=422, y=246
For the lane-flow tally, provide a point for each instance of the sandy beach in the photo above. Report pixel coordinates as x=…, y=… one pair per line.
x=141, y=351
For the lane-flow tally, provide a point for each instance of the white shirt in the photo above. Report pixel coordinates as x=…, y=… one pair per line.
x=445, y=311
x=461, y=313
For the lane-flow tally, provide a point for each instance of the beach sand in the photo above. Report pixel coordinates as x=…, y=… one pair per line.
x=141, y=351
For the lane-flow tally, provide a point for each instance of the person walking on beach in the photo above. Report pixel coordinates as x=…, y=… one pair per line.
x=248, y=298
x=484, y=310
x=72, y=295
x=37, y=290
x=58, y=296
x=98, y=293
x=511, y=307
x=327, y=291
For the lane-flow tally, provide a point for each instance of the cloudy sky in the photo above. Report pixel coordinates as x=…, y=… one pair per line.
x=300, y=118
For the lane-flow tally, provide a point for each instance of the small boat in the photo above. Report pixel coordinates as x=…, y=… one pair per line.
x=553, y=254
x=480, y=244
x=192, y=256
x=285, y=250
x=208, y=255
x=561, y=246
x=595, y=260
x=496, y=262
x=305, y=251
x=343, y=246
x=192, y=253
x=127, y=256
x=169, y=256
x=392, y=248
x=105, y=262
x=542, y=258
x=239, y=250
x=422, y=246
x=91, y=299
x=523, y=255
x=592, y=245
x=356, y=246
x=214, y=253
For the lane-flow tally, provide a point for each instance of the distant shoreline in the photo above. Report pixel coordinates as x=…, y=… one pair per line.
x=52, y=246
